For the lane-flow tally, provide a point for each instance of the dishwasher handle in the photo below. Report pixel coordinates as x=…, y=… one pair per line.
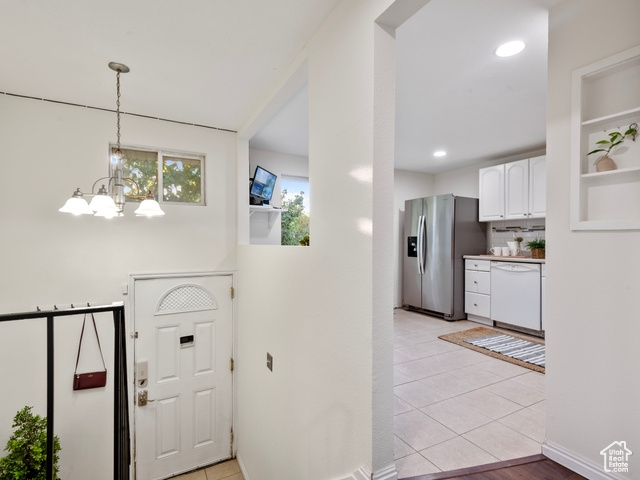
x=515, y=267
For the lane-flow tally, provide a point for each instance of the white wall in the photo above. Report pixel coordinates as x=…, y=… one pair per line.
x=278, y=164
x=48, y=258
x=312, y=417
x=592, y=315
x=462, y=182
x=406, y=186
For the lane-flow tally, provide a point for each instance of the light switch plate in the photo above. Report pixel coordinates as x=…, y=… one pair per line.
x=269, y=361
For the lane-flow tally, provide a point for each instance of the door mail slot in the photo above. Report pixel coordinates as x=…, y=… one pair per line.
x=186, y=341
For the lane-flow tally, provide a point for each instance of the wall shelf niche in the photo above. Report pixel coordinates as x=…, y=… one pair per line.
x=605, y=98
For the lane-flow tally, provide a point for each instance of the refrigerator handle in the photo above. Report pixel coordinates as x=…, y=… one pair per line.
x=421, y=220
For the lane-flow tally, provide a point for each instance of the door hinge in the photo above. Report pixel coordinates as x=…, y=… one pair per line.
x=232, y=365
x=233, y=292
x=231, y=446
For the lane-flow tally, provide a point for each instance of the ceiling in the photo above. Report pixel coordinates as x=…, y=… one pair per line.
x=206, y=62
x=212, y=63
x=452, y=92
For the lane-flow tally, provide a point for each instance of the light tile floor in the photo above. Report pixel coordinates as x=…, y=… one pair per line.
x=456, y=408
x=228, y=471
x=453, y=407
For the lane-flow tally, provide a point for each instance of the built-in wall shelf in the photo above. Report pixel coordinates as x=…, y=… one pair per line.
x=622, y=172
x=605, y=98
x=615, y=117
x=270, y=210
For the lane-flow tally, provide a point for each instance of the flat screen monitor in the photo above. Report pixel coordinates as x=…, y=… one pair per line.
x=263, y=184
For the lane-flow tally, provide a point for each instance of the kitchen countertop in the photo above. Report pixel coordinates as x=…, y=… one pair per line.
x=497, y=258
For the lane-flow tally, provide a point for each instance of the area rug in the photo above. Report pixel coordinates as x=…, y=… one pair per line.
x=509, y=347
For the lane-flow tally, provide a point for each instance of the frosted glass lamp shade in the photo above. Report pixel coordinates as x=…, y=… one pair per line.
x=107, y=213
x=103, y=206
x=149, y=208
x=76, y=205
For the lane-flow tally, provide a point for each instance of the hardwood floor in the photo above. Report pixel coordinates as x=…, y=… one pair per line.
x=535, y=467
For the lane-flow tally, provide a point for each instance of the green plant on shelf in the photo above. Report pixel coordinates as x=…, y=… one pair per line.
x=615, y=139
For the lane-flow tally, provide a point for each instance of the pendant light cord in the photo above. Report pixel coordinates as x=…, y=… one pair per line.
x=118, y=108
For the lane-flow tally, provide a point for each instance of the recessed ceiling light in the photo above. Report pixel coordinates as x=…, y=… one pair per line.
x=509, y=48
x=439, y=153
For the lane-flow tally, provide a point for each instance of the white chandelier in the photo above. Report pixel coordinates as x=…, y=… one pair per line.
x=110, y=199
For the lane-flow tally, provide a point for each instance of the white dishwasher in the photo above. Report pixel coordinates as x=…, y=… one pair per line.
x=515, y=294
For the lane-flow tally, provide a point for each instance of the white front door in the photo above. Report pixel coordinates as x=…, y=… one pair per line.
x=184, y=345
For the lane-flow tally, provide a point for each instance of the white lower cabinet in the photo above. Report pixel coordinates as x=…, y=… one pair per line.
x=477, y=295
x=478, y=305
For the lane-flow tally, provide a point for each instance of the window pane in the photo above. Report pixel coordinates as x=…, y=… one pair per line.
x=142, y=167
x=295, y=213
x=181, y=179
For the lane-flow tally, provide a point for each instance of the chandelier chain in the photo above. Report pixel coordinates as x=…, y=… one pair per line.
x=118, y=107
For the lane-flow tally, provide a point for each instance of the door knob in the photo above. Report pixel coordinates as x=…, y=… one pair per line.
x=143, y=398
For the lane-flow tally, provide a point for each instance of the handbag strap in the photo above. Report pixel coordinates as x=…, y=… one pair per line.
x=95, y=329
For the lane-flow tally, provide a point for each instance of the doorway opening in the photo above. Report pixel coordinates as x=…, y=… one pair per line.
x=436, y=90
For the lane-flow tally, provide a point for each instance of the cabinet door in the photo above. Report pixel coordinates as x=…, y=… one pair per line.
x=538, y=187
x=477, y=282
x=477, y=304
x=517, y=189
x=491, y=193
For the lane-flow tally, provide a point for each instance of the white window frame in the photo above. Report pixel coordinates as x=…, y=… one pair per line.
x=168, y=153
x=296, y=178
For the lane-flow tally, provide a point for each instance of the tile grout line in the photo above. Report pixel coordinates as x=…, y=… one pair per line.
x=410, y=332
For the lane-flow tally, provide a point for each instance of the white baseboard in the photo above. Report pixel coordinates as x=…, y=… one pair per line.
x=242, y=469
x=360, y=474
x=482, y=320
x=575, y=463
x=387, y=473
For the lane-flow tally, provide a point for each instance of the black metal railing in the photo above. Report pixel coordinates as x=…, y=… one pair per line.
x=121, y=434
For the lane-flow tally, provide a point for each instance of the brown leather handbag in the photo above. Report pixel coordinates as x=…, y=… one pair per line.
x=83, y=381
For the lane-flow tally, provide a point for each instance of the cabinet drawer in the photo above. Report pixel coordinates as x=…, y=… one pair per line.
x=483, y=265
x=477, y=304
x=477, y=282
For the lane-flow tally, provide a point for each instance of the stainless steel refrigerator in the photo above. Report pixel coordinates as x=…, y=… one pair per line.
x=438, y=231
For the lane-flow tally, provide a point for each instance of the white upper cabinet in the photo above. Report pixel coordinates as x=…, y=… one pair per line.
x=514, y=190
x=492, y=193
x=538, y=187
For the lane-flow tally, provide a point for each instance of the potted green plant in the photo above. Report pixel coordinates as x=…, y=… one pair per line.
x=27, y=447
x=605, y=162
x=537, y=247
